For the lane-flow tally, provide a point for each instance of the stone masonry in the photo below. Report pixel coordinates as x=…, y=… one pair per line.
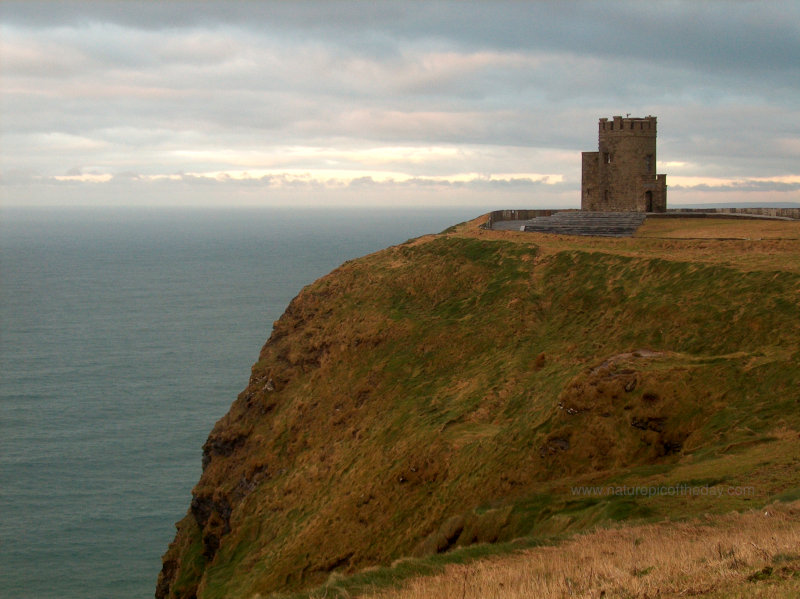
x=621, y=176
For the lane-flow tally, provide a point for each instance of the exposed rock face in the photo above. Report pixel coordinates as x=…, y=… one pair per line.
x=403, y=404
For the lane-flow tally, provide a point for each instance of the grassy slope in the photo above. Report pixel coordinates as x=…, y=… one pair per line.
x=754, y=554
x=452, y=390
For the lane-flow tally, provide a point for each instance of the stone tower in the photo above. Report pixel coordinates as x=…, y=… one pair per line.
x=621, y=176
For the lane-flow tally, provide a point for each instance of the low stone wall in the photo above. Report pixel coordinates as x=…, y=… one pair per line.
x=499, y=215
x=793, y=213
x=780, y=212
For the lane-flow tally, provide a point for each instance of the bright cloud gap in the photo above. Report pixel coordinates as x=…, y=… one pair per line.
x=331, y=178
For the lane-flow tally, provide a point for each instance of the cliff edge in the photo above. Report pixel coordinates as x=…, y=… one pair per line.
x=455, y=389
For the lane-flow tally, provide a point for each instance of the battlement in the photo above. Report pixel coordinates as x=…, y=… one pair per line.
x=621, y=176
x=619, y=126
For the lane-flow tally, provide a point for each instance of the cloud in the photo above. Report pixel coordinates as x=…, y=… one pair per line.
x=745, y=185
x=708, y=34
x=372, y=93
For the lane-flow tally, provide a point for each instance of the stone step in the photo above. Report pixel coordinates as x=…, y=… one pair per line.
x=604, y=224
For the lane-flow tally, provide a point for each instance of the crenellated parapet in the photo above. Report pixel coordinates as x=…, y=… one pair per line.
x=624, y=126
x=621, y=175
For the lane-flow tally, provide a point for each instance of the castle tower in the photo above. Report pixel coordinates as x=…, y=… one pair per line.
x=621, y=176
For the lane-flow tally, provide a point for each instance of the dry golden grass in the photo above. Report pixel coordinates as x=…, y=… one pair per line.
x=748, y=245
x=756, y=554
x=719, y=228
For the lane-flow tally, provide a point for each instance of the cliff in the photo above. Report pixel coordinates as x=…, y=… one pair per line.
x=451, y=390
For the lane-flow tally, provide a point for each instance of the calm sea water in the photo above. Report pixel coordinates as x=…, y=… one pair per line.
x=124, y=336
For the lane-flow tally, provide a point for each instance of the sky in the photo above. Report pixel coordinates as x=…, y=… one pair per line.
x=314, y=103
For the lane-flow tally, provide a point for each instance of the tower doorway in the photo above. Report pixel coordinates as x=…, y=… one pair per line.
x=648, y=201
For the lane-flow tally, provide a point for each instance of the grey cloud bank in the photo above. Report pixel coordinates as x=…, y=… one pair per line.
x=485, y=103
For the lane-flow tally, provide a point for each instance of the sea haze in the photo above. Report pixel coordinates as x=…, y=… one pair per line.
x=124, y=336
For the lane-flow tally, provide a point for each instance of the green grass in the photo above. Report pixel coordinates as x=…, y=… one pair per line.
x=393, y=576
x=456, y=378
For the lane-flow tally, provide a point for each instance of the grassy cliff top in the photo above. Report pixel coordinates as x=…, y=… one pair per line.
x=452, y=395
x=750, y=554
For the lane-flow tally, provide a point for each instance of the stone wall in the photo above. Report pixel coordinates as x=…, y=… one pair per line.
x=621, y=175
x=498, y=215
x=590, y=181
x=793, y=213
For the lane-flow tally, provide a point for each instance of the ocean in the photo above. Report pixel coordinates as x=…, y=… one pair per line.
x=125, y=334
